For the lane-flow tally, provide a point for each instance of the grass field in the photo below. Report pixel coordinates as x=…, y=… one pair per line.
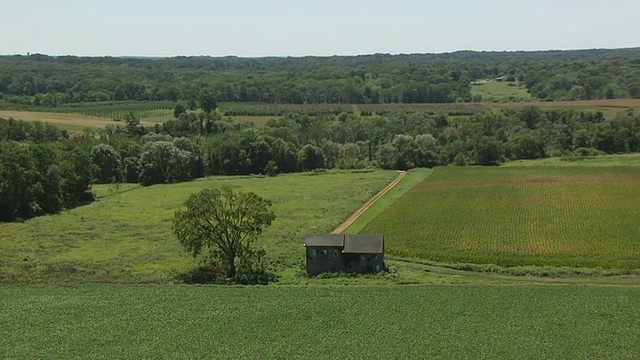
x=71, y=122
x=500, y=91
x=573, y=214
x=437, y=321
x=125, y=236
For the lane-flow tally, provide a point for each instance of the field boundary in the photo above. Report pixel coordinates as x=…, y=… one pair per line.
x=356, y=215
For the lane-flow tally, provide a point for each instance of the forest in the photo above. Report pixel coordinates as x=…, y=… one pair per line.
x=41, y=80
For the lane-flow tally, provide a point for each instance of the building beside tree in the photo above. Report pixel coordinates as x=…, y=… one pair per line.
x=352, y=253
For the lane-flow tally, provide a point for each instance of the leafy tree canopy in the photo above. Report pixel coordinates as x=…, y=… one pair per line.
x=222, y=225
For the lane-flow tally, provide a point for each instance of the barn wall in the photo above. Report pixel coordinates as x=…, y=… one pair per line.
x=363, y=263
x=324, y=259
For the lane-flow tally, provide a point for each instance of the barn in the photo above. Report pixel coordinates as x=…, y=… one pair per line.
x=353, y=253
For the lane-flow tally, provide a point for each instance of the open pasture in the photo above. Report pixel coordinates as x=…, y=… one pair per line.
x=125, y=236
x=500, y=91
x=68, y=121
x=583, y=216
x=102, y=321
x=71, y=122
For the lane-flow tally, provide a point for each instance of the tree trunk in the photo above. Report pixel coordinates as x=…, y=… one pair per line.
x=231, y=272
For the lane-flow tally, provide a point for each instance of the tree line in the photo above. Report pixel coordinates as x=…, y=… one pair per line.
x=44, y=169
x=41, y=170
x=48, y=81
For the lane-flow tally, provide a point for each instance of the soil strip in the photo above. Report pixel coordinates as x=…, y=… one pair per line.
x=356, y=215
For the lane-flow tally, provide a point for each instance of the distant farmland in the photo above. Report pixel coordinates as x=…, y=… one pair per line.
x=519, y=215
x=76, y=117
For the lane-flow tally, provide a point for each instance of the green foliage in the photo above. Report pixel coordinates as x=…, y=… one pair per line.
x=107, y=162
x=51, y=82
x=572, y=215
x=163, y=162
x=224, y=225
x=207, y=101
x=436, y=321
x=487, y=151
x=37, y=131
x=37, y=179
x=310, y=158
x=178, y=110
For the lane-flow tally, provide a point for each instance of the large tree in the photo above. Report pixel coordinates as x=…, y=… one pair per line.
x=207, y=101
x=222, y=224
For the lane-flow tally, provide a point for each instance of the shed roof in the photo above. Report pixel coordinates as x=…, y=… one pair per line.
x=363, y=244
x=324, y=240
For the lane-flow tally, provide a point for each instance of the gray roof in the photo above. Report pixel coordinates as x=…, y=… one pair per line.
x=363, y=244
x=336, y=240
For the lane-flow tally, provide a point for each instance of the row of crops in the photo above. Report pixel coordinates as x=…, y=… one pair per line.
x=582, y=216
x=117, y=110
x=240, y=109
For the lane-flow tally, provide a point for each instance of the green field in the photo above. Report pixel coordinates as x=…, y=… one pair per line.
x=437, y=321
x=126, y=237
x=500, y=91
x=568, y=214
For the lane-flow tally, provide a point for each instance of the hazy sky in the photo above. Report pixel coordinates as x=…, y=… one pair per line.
x=302, y=27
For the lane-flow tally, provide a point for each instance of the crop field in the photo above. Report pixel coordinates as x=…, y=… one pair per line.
x=118, y=109
x=434, y=321
x=582, y=215
x=126, y=235
x=413, y=177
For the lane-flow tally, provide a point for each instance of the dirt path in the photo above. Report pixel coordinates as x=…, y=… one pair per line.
x=356, y=215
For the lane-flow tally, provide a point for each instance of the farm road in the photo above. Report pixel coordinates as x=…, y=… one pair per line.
x=356, y=215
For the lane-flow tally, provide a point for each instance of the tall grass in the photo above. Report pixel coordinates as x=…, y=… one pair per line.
x=126, y=235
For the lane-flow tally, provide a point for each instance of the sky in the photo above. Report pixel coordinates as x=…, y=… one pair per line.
x=252, y=28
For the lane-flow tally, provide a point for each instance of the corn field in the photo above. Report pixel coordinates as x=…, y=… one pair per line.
x=561, y=215
x=118, y=110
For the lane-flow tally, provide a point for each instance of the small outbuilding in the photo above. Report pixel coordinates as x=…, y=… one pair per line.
x=354, y=253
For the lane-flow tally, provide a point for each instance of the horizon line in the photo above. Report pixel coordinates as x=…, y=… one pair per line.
x=319, y=55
